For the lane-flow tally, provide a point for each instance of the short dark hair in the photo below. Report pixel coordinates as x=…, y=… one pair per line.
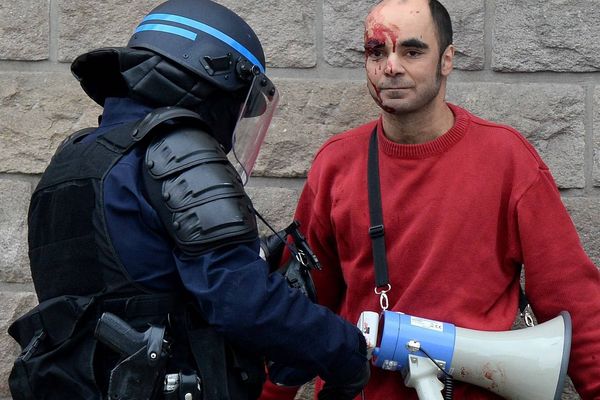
x=443, y=24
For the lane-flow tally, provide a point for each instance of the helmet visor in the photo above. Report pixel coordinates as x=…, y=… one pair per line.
x=253, y=123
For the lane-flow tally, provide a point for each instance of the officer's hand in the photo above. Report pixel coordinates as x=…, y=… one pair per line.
x=272, y=249
x=346, y=390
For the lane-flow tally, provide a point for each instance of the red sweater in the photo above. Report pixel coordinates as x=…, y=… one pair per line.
x=460, y=212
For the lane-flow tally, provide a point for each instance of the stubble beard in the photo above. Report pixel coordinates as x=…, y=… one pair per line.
x=423, y=100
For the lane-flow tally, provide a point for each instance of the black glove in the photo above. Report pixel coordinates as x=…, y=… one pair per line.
x=272, y=247
x=347, y=390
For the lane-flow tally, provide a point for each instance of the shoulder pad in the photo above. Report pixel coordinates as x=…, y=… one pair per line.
x=197, y=192
x=182, y=148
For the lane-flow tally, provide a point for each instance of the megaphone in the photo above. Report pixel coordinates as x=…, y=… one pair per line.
x=524, y=364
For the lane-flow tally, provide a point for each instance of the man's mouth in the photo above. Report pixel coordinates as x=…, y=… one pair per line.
x=395, y=88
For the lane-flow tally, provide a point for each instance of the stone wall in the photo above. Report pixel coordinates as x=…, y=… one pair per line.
x=532, y=64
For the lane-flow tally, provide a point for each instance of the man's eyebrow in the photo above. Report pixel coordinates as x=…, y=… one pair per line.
x=414, y=43
x=374, y=43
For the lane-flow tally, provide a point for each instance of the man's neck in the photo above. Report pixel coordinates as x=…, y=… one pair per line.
x=422, y=126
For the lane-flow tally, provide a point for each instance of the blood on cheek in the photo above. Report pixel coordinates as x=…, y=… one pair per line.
x=376, y=38
x=375, y=88
x=372, y=67
x=378, y=98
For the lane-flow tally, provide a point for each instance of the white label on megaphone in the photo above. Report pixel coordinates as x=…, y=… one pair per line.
x=427, y=324
x=368, y=323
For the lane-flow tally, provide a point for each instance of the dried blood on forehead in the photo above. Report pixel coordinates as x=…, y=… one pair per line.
x=377, y=30
x=380, y=33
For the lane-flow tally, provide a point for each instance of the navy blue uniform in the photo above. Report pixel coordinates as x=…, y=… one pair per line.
x=232, y=285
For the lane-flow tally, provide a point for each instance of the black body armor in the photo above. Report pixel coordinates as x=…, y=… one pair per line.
x=78, y=277
x=197, y=192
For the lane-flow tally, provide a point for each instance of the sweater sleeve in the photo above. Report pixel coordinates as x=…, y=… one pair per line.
x=560, y=276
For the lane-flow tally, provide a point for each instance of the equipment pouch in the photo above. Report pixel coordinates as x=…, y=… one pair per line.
x=56, y=351
x=133, y=378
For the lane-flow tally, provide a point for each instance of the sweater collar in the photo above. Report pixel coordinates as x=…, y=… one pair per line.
x=431, y=148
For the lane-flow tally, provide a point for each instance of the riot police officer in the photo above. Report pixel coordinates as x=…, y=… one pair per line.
x=143, y=243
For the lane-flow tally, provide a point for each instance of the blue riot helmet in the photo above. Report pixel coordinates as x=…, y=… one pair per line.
x=195, y=54
x=203, y=36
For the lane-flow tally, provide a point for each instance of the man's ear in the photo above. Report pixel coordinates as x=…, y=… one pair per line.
x=447, y=60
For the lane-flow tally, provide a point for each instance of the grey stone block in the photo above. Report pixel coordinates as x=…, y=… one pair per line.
x=468, y=24
x=275, y=204
x=585, y=213
x=88, y=24
x=550, y=116
x=14, y=202
x=25, y=30
x=287, y=35
x=286, y=29
x=343, y=32
x=309, y=113
x=306, y=392
x=12, y=306
x=532, y=35
x=569, y=392
x=596, y=136
x=38, y=111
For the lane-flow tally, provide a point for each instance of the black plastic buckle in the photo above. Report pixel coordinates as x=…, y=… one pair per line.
x=376, y=231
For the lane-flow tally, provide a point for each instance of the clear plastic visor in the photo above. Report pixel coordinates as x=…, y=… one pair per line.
x=253, y=123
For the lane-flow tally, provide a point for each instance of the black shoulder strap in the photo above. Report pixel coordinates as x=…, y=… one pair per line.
x=75, y=136
x=376, y=230
x=121, y=143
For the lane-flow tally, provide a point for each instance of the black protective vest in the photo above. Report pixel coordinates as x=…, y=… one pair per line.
x=69, y=247
x=78, y=276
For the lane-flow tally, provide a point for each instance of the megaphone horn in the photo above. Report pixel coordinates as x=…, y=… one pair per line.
x=528, y=363
x=525, y=364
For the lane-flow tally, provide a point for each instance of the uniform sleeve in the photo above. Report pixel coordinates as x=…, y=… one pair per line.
x=560, y=276
x=258, y=311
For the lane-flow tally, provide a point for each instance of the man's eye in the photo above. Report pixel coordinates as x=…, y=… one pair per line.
x=374, y=53
x=413, y=53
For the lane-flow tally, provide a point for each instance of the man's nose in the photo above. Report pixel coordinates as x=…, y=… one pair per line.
x=394, y=65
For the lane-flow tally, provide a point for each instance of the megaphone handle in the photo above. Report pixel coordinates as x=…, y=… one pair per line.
x=426, y=390
x=422, y=376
